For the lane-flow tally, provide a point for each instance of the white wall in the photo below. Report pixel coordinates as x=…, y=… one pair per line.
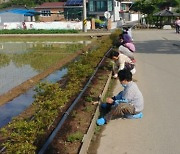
x=54, y=25
x=47, y=25
x=12, y=25
x=134, y=17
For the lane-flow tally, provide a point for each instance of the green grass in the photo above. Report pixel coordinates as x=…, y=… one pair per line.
x=88, y=108
x=39, y=31
x=43, y=38
x=77, y=136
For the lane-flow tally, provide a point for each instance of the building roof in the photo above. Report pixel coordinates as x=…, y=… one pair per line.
x=165, y=13
x=50, y=5
x=74, y=3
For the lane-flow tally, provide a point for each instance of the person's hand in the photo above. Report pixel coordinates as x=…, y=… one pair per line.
x=109, y=100
x=115, y=76
x=121, y=40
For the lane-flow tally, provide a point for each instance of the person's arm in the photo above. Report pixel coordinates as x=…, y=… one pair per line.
x=115, y=70
x=120, y=99
x=116, y=100
x=121, y=62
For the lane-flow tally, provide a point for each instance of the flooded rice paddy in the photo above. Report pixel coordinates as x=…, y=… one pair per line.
x=20, y=60
x=20, y=103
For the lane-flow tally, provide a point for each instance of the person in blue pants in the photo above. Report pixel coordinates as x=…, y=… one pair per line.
x=129, y=103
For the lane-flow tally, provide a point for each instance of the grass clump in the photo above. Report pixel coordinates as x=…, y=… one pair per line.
x=77, y=136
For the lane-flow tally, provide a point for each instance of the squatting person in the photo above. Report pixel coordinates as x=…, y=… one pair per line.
x=121, y=62
x=128, y=103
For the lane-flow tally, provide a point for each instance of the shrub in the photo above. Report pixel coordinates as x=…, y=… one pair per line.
x=38, y=31
x=22, y=135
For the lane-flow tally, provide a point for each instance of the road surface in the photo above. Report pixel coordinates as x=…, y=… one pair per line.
x=158, y=75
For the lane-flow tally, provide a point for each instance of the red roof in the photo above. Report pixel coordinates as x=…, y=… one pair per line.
x=51, y=5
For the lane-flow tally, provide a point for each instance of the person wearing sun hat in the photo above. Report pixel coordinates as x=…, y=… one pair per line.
x=126, y=45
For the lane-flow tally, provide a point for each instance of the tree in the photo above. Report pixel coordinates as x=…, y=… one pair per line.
x=168, y=3
x=149, y=7
x=143, y=6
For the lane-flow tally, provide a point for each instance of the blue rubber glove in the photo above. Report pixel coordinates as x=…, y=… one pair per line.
x=121, y=101
x=135, y=116
x=117, y=102
x=101, y=121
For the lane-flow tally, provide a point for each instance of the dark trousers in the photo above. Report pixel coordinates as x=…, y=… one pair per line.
x=177, y=28
x=119, y=111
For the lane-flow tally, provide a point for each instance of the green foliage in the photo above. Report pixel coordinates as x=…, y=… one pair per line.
x=74, y=114
x=152, y=6
x=143, y=6
x=22, y=134
x=97, y=129
x=80, y=70
x=41, y=58
x=89, y=99
x=77, y=136
x=88, y=108
x=114, y=36
x=162, y=4
x=5, y=5
x=98, y=21
x=4, y=60
x=149, y=7
x=39, y=31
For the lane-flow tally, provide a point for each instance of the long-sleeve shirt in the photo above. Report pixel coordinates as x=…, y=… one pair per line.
x=121, y=61
x=126, y=38
x=177, y=22
x=133, y=95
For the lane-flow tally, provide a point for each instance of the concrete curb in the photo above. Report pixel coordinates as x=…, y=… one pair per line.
x=88, y=136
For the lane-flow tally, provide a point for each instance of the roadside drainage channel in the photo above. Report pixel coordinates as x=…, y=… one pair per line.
x=88, y=136
x=20, y=103
x=66, y=114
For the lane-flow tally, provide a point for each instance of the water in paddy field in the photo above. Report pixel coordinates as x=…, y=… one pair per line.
x=20, y=103
x=20, y=61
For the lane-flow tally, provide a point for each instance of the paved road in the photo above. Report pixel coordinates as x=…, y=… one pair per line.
x=158, y=75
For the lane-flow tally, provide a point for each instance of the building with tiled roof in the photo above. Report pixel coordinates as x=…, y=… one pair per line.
x=51, y=11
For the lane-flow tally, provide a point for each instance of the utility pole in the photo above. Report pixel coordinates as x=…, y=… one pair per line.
x=84, y=17
x=114, y=11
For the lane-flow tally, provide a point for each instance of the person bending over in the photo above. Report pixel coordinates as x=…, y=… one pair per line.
x=126, y=45
x=121, y=62
x=128, y=49
x=128, y=103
